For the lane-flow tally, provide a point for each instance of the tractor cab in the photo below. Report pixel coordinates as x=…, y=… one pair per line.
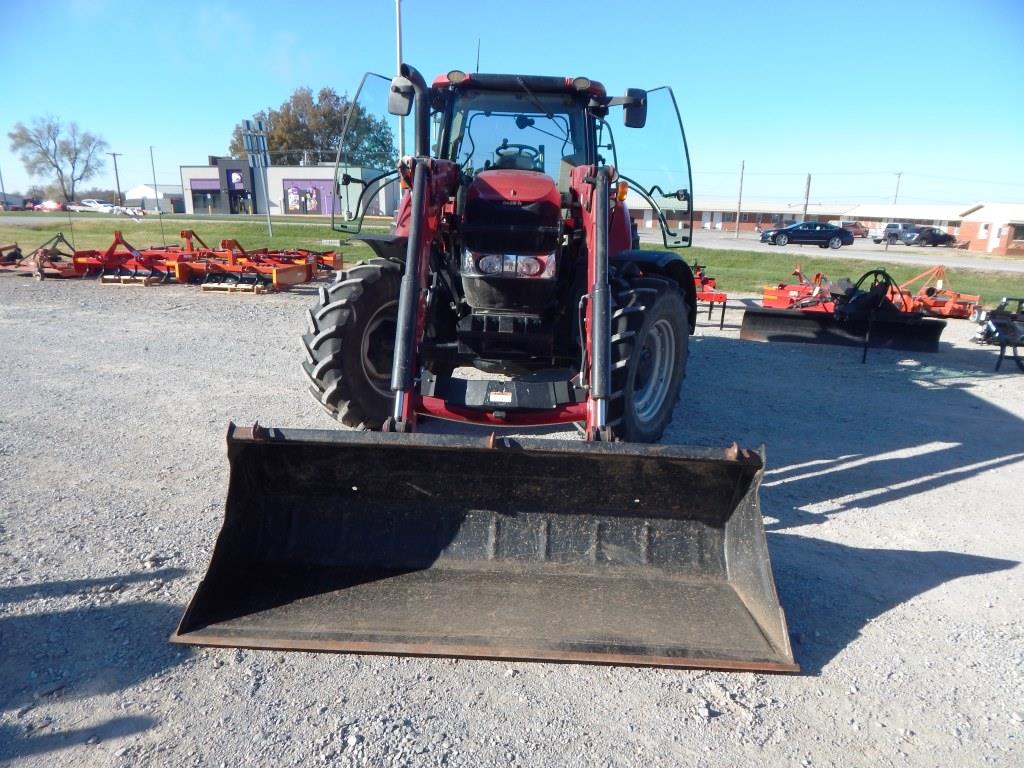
x=534, y=124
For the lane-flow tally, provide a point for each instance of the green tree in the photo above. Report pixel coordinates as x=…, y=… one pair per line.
x=308, y=130
x=64, y=153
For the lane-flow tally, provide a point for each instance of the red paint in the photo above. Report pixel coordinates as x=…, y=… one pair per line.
x=563, y=414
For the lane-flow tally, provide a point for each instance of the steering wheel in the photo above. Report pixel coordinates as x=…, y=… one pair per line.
x=509, y=155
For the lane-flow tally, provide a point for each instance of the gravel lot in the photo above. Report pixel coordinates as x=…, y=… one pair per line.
x=895, y=521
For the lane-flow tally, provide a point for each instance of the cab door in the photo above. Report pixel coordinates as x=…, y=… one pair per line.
x=655, y=163
x=366, y=171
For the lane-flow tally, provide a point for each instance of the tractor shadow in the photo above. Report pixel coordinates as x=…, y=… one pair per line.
x=78, y=653
x=840, y=435
x=843, y=438
x=830, y=591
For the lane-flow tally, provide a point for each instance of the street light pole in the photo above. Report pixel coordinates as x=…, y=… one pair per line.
x=739, y=202
x=398, y=71
x=156, y=196
x=807, y=195
x=895, y=197
x=117, y=178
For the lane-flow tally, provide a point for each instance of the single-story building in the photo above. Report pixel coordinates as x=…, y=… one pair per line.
x=994, y=228
x=167, y=196
x=228, y=185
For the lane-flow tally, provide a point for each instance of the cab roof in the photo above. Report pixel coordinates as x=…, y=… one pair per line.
x=536, y=83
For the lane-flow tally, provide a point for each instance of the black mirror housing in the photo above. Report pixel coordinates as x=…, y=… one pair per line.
x=400, y=96
x=634, y=108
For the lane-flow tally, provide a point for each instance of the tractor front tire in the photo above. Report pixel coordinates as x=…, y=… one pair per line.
x=649, y=344
x=350, y=344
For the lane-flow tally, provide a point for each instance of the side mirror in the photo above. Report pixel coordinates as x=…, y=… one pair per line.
x=634, y=108
x=400, y=96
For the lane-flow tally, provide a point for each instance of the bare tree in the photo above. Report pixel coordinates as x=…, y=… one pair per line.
x=50, y=149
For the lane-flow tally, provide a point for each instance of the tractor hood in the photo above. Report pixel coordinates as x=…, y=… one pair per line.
x=513, y=188
x=512, y=211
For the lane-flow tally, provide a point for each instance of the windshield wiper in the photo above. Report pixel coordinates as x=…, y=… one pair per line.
x=536, y=102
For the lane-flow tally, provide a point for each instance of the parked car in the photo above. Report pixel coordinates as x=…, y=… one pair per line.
x=809, y=233
x=89, y=204
x=855, y=228
x=909, y=235
x=893, y=230
x=12, y=204
x=933, y=236
x=50, y=205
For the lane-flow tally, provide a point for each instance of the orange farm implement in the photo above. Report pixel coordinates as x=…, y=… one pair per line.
x=123, y=264
x=48, y=260
x=231, y=268
x=933, y=296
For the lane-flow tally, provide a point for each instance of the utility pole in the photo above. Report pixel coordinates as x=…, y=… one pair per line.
x=807, y=195
x=398, y=71
x=156, y=196
x=478, y=54
x=117, y=178
x=3, y=192
x=895, y=197
x=739, y=202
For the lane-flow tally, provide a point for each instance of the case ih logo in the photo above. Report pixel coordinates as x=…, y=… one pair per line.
x=512, y=203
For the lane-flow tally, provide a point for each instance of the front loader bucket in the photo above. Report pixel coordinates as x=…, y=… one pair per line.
x=527, y=549
x=896, y=330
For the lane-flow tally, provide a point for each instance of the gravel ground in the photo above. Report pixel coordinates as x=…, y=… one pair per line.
x=894, y=521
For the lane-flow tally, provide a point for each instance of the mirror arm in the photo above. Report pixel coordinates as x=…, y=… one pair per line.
x=683, y=195
x=666, y=231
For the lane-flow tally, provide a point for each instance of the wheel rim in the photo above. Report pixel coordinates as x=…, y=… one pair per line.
x=654, y=370
x=781, y=239
x=835, y=242
x=378, y=347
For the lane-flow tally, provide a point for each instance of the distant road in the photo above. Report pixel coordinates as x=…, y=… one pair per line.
x=863, y=248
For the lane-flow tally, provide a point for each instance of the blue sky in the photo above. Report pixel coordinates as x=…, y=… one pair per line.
x=852, y=95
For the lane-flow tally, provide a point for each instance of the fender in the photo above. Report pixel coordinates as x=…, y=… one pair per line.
x=665, y=264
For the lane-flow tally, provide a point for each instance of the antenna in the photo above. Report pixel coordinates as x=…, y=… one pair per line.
x=478, y=54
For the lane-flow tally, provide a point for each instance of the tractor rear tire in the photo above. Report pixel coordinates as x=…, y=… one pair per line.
x=649, y=344
x=350, y=343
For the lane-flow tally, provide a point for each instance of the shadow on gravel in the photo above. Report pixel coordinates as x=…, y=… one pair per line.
x=14, y=744
x=61, y=588
x=843, y=436
x=79, y=653
x=830, y=591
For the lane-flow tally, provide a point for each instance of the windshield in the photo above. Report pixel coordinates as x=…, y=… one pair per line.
x=527, y=131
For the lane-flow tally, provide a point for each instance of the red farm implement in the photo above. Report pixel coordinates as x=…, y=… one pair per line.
x=864, y=314
x=707, y=290
x=232, y=269
x=933, y=296
x=48, y=260
x=809, y=294
x=123, y=264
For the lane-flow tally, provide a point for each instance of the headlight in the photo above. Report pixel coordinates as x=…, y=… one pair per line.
x=534, y=266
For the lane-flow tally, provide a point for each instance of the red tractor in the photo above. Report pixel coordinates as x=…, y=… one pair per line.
x=511, y=253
